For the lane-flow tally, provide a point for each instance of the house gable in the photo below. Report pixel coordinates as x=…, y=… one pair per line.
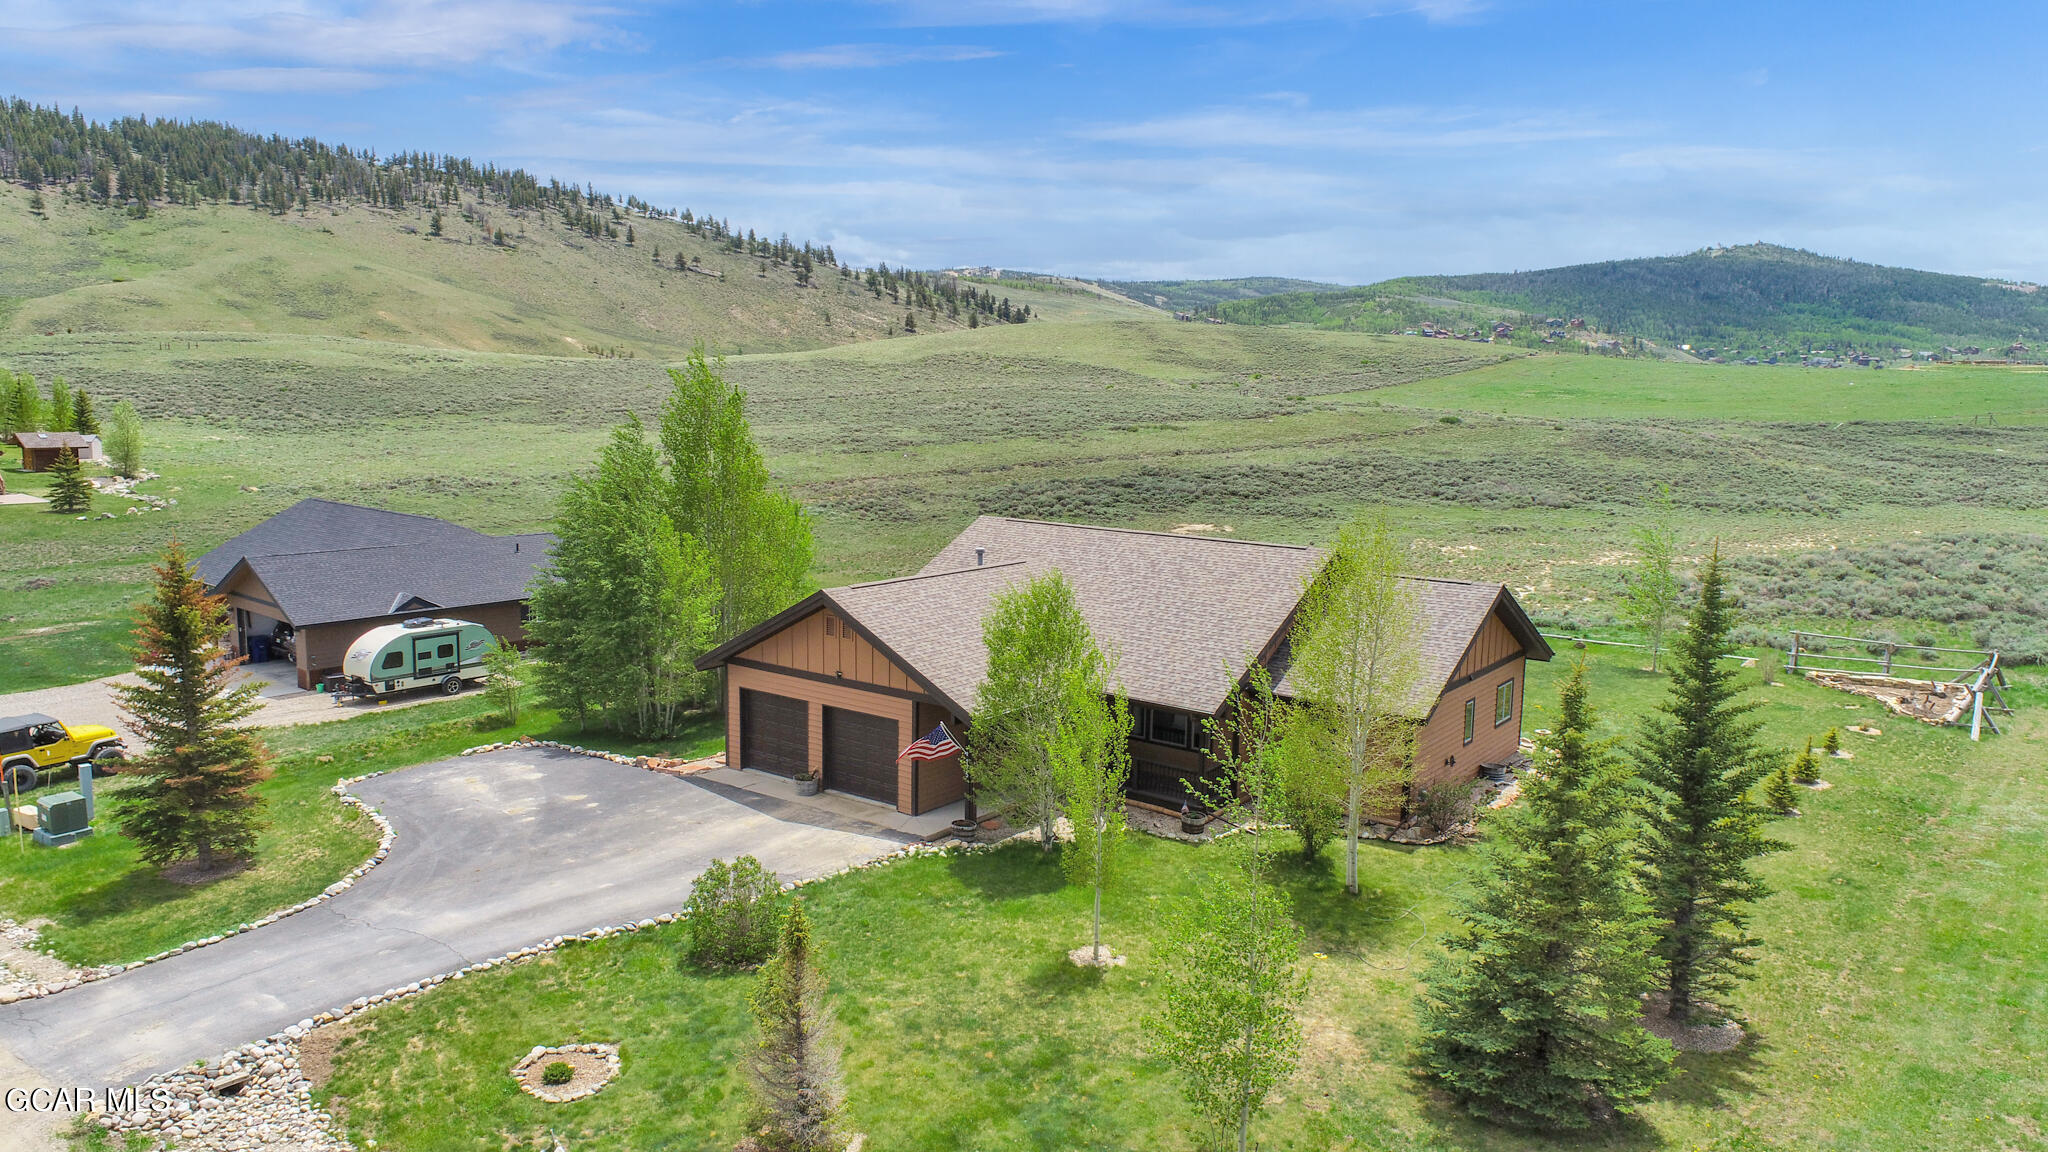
x=244, y=589
x=821, y=643
x=1494, y=644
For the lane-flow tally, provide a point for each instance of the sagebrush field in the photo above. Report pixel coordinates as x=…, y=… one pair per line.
x=1495, y=463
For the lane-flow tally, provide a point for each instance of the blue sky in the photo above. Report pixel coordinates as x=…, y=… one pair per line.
x=1344, y=141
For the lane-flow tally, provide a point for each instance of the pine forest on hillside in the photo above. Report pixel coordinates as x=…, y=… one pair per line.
x=1757, y=299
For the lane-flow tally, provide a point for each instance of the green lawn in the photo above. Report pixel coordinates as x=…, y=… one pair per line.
x=1579, y=387
x=1896, y=1004
x=107, y=906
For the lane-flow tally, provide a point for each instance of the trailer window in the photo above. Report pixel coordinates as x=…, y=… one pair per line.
x=1471, y=711
x=444, y=651
x=393, y=660
x=1504, y=703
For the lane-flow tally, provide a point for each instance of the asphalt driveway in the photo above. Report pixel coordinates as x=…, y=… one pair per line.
x=493, y=852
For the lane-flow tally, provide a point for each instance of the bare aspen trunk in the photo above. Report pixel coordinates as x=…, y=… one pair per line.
x=1351, y=839
x=1244, y=1103
x=1101, y=824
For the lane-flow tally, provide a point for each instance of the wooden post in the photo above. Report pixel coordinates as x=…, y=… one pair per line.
x=1888, y=650
x=1794, y=666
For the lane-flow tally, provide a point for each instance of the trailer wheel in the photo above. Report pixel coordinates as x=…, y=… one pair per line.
x=452, y=685
x=20, y=777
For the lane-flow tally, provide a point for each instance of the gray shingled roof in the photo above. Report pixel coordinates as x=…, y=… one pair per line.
x=325, y=561
x=315, y=525
x=359, y=583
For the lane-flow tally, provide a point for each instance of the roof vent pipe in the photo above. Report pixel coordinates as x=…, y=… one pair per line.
x=980, y=556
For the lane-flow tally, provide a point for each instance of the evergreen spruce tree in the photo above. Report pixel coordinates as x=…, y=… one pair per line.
x=794, y=1071
x=1530, y=1015
x=191, y=794
x=1702, y=762
x=70, y=491
x=82, y=416
x=1806, y=766
x=1832, y=742
x=1781, y=794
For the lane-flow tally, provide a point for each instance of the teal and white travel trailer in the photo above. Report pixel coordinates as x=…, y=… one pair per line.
x=418, y=653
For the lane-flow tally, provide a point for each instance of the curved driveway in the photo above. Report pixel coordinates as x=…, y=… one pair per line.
x=493, y=852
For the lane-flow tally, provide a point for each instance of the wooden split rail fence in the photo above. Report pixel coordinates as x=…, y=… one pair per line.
x=1981, y=675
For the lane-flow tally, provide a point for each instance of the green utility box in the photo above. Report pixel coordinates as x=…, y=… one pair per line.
x=61, y=818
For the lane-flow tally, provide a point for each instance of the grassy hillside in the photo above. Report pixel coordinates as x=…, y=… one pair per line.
x=1755, y=298
x=1204, y=295
x=362, y=271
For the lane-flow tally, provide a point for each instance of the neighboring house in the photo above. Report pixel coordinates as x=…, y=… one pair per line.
x=309, y=580
x=842, y=681
x=39, y=450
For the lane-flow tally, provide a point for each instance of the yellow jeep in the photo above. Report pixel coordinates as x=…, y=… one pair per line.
x=35, y=744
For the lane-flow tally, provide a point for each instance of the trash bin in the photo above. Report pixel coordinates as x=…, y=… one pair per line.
x=259, y=649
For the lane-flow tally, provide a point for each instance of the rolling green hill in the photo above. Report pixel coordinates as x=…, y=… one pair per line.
x=1203, y=295
x=1758, y=297
x=166, y=226
x=360, y=270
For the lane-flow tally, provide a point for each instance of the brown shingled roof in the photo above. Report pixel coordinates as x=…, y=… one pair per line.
x=1184, y=614
x=1177, y=610
x=1453, y=612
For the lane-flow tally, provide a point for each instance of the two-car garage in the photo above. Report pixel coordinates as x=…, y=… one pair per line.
x=858, y=753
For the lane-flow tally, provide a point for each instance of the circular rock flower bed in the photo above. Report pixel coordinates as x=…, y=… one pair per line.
x=591, y=1067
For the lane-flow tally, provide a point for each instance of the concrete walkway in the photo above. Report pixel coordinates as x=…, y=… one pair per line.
x=493, y=852
x=929, y=826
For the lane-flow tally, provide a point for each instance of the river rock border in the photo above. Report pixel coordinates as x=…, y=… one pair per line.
x=607, y=1053
x=208, y=1120
x=340, y=790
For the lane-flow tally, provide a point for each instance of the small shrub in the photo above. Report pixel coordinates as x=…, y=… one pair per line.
x=1449, y=420
x=557, y=1072
x=1832, y=742
x=735, y=912
x=1443, y=808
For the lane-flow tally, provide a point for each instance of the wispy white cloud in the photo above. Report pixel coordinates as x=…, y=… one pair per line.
x=870, y=56
x=1411, y=129
x=970, y=13
x=290, y=79
x=382, y=34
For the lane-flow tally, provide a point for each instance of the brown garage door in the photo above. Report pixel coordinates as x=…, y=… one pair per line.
x=860, y=754
x=775, y=733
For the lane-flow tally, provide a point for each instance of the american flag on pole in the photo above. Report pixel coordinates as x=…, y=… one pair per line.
x=932, y=745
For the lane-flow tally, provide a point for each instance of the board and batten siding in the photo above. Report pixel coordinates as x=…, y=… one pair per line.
x=806, y=646
x=842, y=670
x=1441, y=754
